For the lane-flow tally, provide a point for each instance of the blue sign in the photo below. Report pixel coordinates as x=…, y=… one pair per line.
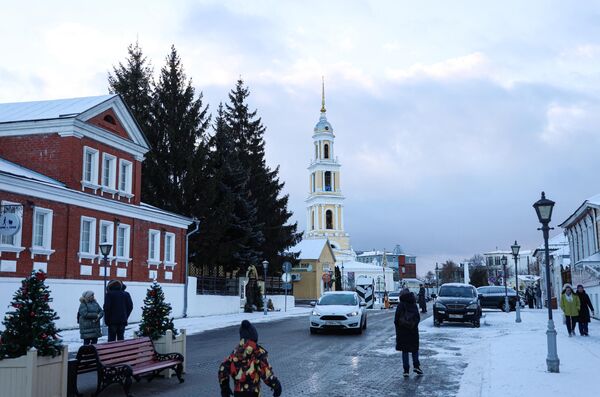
x=286, y=267
x=287, y=286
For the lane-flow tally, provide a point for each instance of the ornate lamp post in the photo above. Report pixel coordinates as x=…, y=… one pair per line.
x=515, y=251
x=265, y=267
x=543, y=208
x=503, y=260
x=437, y=279
x=343, y=282
x=105, y=250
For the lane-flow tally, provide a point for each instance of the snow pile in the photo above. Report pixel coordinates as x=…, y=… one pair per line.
x=508, y=359
x=196, y=325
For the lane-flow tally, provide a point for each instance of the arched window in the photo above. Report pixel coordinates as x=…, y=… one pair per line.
x=316, y=151
x=326, y=151
x=327, y=181
x=312, y=220
x=313, y=182
x=329, y=219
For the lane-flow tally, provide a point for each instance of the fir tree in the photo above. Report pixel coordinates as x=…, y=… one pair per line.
x=264, y=186
x=155, y=314
x=31, y=321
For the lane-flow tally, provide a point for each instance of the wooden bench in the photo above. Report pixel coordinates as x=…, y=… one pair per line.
x=120, y=361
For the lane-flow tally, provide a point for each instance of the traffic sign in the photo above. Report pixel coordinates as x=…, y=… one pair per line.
x=326, y=277
x=286, y=267
x=287, y=286
x=286, y=277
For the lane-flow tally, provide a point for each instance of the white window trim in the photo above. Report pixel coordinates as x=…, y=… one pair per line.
x=110, y=237
x=129, y=178
x=126, y=248
x=154, y=234
x=46, y=247
x=172, y=262
x=88, y=255
x=112, y=177
x=93, y=184
x=16, y=247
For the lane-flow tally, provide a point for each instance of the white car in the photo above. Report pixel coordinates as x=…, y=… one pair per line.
x=339, y=310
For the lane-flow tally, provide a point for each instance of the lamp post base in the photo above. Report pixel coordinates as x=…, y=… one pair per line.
x=552, y=360
x=518, y=318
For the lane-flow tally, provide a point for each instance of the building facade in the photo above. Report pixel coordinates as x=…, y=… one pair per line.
x=403, y=265
x=70, y=176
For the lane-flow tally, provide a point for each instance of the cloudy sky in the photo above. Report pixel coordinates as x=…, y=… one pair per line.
x=450, y=118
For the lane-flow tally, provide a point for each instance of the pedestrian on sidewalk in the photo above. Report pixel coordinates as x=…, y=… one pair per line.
x=584, y=310
x=406, y=321
x=422, y=299
x=117, y=308
x=569, y=303
x=538, y=296
x=88, y=317
x=247, y=365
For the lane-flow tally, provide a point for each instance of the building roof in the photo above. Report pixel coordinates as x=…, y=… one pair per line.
x=51, y=109
x=358, y=266
x=311, y=249
x=9, y=167
x=593, y=202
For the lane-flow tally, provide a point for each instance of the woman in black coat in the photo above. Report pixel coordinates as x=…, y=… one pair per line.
x=584, y=310
x=407, y=330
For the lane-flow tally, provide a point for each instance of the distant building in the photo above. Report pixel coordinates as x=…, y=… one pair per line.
x=404, y=265
x=494, y=265
x=560, y=264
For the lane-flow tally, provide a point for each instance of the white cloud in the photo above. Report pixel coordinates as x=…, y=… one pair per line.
x=471, y=66
x=564, y=122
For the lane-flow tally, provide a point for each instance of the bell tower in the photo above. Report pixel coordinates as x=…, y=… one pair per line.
x=325, y=202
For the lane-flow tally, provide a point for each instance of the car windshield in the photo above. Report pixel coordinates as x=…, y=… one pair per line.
x=394, y=293
x=456, y=291
x=338, y=299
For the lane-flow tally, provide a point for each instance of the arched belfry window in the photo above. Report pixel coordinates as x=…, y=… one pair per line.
x=316, y=151
x=329, y=219
x=312, y=220
x=327, y=181
x=326, y=151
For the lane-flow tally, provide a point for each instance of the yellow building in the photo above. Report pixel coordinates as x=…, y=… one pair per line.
x=315, y=259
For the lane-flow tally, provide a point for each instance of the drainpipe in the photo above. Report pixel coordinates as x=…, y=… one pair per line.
x=187, y=266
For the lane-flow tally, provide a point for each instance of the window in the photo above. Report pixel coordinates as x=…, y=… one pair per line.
x=107, y=229
x=326, y=151
x=90, y=166
x=313, y=182
x=312, y=220
x=42, y=228
x=170, y=248
x=122, y=246
x=327, y=181
x=153, y=246
x=12, y=243
x=110, y=119
x=329, y=219
x=87, y=236
x=125, y=168
x=109, y=163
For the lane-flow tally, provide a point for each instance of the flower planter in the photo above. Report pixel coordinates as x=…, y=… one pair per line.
x=34, y=376
x=167, y=344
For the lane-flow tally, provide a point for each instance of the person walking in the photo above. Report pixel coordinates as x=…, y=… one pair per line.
x=422, y=299
x=569, y=303
x=247, y=365
x=117, y=308
x=406, y=320
x=538, y=296
x=585, y=306
x=530, y=297
x=88, y=317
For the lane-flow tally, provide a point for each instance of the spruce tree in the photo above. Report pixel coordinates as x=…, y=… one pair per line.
x=264, y=185
x=31, y=321
x=155, y=314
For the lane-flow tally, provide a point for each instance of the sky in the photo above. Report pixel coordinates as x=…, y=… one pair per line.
x=450, y=117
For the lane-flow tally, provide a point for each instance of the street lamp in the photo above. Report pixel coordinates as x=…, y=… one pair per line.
x=503, y=260
x=515, y=251
x=105, y=250
x=543, y=208
x=343, y=282
x=265, y=267
x=437, y=278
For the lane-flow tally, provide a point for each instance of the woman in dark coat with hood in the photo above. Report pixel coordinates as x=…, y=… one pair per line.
x=584, y=310
x=407, y=330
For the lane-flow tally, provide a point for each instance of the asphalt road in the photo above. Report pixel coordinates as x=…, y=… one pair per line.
x=308, y=365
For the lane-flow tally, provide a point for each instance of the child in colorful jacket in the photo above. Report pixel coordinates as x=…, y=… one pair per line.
x=247, y=365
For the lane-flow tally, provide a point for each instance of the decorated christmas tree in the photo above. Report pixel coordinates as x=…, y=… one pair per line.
x=155, y=314
x=30, y=323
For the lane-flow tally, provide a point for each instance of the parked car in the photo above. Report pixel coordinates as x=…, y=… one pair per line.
x=394, y=297
x=492, y=297
x=340, y=310
x=457, y=302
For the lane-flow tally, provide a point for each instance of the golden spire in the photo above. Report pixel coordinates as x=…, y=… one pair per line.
x=323, y=94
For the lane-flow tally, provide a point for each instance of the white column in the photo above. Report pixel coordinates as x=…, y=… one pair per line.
x=342, y=214
x=337, y=226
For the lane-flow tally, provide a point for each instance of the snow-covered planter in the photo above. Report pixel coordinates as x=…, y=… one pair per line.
x=34, y=376
x=169, y=344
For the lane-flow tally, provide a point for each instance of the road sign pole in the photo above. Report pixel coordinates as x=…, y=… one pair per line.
x=285, y=304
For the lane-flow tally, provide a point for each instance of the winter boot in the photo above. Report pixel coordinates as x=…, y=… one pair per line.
x=418, y=371
x=405, y=373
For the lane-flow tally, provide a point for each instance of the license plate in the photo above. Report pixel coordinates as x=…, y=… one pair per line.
x=455, y=316
x=333, y=323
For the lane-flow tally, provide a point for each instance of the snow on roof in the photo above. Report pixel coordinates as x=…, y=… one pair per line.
x=9, y=167
x=360, y=266
x=310, y=248
x=51, y=109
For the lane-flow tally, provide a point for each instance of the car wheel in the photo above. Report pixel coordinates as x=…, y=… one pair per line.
x=313, y=330
x=436, y=322
x=365, y=324
x=476, y=324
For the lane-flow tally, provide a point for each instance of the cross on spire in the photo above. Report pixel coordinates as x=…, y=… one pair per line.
x=323, y=94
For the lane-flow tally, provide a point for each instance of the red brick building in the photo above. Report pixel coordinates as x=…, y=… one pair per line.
x=71, y=171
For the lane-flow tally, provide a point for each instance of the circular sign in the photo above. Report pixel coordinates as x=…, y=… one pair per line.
x=286, y=277
x=10, y=224
x=286, y=267
x=326, y=277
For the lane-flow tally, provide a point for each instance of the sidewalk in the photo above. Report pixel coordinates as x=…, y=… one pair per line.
x=196, y=325
x=508, y=359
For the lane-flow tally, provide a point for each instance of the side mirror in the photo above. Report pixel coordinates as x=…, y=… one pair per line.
x=313, y=303
x=362, y=304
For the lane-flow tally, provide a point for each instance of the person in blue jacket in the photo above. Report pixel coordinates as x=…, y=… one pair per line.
x=117, y=308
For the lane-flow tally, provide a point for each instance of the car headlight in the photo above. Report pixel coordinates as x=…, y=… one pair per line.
x=315, y=313
x=353, y=314
x=472, y=306
x=439, y=305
